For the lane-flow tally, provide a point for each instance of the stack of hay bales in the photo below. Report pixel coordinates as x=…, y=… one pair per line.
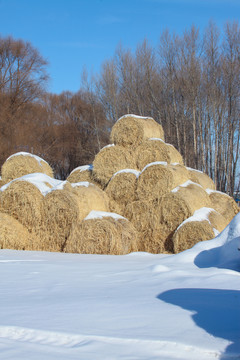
x=155, y=191
x=38, y=212
x=136, y=196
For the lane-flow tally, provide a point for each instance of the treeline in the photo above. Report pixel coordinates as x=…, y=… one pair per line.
x=189, y=83
x=66, y=130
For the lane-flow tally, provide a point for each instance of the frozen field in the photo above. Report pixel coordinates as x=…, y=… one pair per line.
x=139, y=306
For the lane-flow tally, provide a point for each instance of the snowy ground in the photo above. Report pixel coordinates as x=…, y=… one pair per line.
x=139, y=306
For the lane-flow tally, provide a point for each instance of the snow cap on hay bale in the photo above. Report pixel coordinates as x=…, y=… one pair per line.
x=159, y=178
x=90, y=197
x=181, y=203
x=109, y=160
x=132, y=130
x=23, y=163
x=13, y=235
x=122, y=187
x=224, y=204
x=103, y=233
x=190, y=233
x=201, y=178
x=23, y=200
x=82, y=173
x=153, y=150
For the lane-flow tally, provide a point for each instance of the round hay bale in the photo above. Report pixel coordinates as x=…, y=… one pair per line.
x=190, y=233
x=175, y=155
x=83, y=173
x=154, y=181
x=143, y=214
x=224, y=204
x=109, y=160
x=155, y=240
x=217, y=221
x=13, y=235
x=100, y=233
x=24, y=201
x=132, y=130
x=23, y=163
x=159, y=178
x=61, y=212
x=122, y=187
x=90, y=197
x=153, y=150
x=181, y=203
x=201, y=178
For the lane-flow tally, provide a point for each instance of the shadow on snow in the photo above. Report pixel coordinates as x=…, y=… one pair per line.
x=215, y=311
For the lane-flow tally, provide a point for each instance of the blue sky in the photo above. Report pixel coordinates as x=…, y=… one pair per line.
x=72, y=34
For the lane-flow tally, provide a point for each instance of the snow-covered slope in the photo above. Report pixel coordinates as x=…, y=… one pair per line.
x=139, y=306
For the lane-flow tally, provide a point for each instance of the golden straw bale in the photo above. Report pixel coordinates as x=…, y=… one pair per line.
x=23, y=163
x=1, y=182
x=175, y=155
x=143, y=214
x=115, y=207
x=24, y=201
x=122, y=187
x=217, y=220
x=159, y=178
x=108, y=234
x=61, y=212
x=224, y=204
x=90, y=197
x=155, y=240
x=83, y=173
x=180, y=173
x=132, y=130
x=201, y=178
x=181, y=203
x=190, y=233
x=13, y=235
x=109, y=160
x=150, y=151
x=153, y=150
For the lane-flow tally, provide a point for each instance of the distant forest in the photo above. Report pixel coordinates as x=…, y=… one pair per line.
x=190, y=84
